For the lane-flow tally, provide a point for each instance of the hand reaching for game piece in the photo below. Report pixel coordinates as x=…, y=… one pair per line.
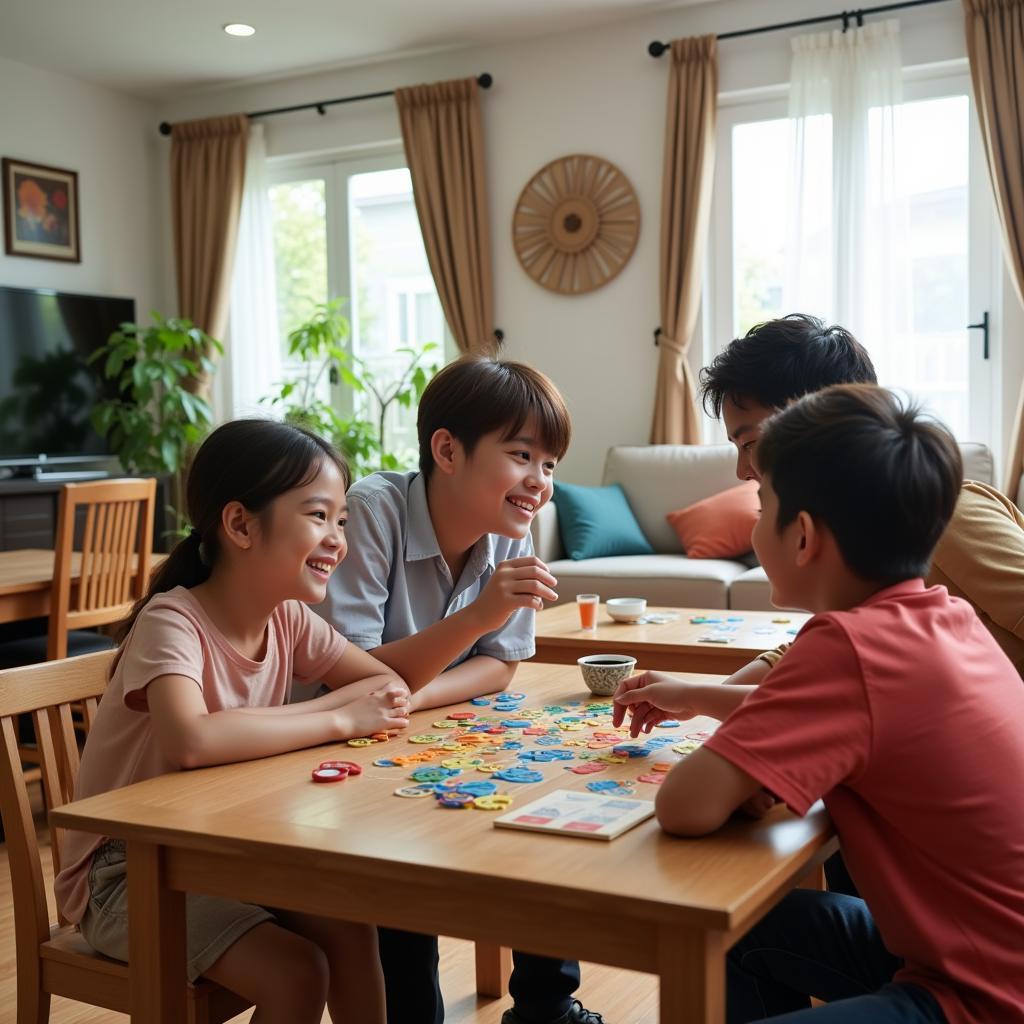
x=383, y=710
x=651, y=697
x=516, y=583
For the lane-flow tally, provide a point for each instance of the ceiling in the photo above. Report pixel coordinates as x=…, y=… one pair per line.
x=159, y=49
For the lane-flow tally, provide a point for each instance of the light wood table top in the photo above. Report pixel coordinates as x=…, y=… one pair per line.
x=26, y=577
x=674, y=646
x=264, y=832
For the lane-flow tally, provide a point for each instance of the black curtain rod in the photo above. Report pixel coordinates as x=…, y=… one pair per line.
x=656, y=49
x=484, y=81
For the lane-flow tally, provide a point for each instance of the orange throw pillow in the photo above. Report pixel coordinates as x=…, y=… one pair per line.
x=719, y=526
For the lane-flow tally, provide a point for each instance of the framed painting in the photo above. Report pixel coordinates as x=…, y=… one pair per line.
x=40, y=211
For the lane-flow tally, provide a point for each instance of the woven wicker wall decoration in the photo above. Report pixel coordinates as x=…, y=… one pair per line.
x=576, y=224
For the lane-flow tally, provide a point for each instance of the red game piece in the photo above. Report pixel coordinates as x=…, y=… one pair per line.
x=330, y=774
x=350, y=767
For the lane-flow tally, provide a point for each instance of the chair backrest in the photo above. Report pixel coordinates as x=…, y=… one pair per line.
x=113, y=565
x=46, y=692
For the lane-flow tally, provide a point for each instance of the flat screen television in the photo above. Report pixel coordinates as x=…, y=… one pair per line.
x=47, y=385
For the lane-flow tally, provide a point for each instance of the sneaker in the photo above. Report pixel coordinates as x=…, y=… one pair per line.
x=576, y=1014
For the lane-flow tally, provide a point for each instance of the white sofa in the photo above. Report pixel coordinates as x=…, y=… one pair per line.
x=659, y=479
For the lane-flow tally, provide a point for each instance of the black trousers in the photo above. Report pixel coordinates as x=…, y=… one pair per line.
x=541, y=987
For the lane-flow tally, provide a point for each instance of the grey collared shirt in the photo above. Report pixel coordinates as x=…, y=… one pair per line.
x=394, y=581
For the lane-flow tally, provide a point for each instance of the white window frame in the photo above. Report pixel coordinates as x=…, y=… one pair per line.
x=984, y=256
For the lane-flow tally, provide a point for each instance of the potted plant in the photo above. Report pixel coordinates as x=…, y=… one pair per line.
x=156, y=419
x=319, y=344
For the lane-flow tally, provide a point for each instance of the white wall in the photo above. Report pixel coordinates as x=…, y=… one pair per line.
x=110, y=140
x=592, y=91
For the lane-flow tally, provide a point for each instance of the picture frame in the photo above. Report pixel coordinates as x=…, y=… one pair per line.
x=40, y=211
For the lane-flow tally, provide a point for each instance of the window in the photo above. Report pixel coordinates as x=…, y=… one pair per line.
x=350, y=229
x=926, y=351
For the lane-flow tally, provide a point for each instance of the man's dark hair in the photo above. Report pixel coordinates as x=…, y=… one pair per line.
x=780, y=360
x=477, y=395
x=880, y=475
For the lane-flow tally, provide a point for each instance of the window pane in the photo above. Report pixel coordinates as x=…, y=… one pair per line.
x=395, y=304
x=783, y=250
x=760, y=151
x=299, y=212
x=931, y=358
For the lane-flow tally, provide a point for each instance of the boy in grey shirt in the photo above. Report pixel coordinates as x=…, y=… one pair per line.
x=441, y=584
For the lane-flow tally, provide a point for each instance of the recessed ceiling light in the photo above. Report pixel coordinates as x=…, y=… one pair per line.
x=238, y=29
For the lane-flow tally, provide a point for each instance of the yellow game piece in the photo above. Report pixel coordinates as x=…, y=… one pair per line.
x=363, y=741
x=492, y=802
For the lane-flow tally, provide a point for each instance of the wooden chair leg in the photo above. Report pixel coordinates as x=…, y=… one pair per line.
x=33, y=1002
x=493, y=967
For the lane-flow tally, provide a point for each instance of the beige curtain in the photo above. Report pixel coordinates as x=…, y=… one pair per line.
x=685, y=210
x=443, y=138
x=995, y=46
x=207, y=178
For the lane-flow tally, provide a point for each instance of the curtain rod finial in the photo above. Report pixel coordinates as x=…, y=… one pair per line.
x=165, y=128
x=499, y=335
x=656, y=49
x=485, y=81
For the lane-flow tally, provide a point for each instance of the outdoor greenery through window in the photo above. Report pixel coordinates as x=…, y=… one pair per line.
x=351, y=230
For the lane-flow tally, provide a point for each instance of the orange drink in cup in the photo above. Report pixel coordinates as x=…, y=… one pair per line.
x=587, y=604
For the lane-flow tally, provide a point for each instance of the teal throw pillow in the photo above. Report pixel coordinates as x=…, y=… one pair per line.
x=597, y=522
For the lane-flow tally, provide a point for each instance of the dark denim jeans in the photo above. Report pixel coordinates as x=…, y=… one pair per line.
x=826, y=945
x=541, y=987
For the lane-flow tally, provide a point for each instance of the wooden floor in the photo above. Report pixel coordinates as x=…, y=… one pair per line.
x=623, y=997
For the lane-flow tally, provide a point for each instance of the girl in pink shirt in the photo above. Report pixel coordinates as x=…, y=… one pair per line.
x=203, y=677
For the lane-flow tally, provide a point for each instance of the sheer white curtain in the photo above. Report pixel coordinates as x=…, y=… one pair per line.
x=254, y=341
x=848, y=242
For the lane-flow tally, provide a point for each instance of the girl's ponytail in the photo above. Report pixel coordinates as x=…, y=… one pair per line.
x=183, y=567
x=249, y=461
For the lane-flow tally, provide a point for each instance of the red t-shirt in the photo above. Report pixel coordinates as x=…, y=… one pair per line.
x=908, y=720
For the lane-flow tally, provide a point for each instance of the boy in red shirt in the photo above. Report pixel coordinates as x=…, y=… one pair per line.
x=896, y=706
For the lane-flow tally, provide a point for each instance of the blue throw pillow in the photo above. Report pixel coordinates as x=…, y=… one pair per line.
x=597, y=522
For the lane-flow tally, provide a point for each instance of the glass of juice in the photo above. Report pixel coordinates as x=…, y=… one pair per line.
x=587, y=604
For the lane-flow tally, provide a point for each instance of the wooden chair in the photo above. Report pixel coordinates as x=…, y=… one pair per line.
x=53, y=959
x=117, y=543
x=111, y=567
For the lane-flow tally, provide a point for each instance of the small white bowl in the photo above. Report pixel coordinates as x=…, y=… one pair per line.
x=603, y=672
x=626, y=609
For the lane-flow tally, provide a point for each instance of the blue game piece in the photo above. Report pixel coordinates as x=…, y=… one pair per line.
x=433, y=774
x=669, y=723
x=481, y=788
x=517, y=723
x=603, y=786
x=512, y=745
x=549, y=741
x=517, y=774
x=480, y=702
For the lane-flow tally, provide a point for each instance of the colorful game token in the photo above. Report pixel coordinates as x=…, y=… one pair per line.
x=426, y=737
x=493, y=802
x=591, y=768
x=480, y=702
x=330, y=774
x=462, y=716
x=386, y=762
x=479, y=788
x=669, y=723
x=516, y=774
x=362, y=741
x=444, y=724
x=655, y=778
x=603, y=786
x=350, y=766
x=433, y=774
x=462, y=762
x=661, y=766
x=457, y=801
x=782, y=622
x=415, y=792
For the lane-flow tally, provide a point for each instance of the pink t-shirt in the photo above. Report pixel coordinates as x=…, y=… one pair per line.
x=907, y=718
x=174, y=636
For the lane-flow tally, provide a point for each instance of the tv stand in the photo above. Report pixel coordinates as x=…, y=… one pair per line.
x=28, y=510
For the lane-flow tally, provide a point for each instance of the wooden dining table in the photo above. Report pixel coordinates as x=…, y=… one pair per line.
x=26, y=579
x=265, y=833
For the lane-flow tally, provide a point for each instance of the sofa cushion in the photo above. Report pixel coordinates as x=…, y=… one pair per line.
x=597, y=521
x=719, y=526
x=751, y=591
x=978, y=462
x=661, y=579
x=661, y=478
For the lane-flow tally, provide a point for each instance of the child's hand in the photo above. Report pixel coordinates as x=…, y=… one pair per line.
x=758, y=805
x=517, y=583
x=651, y=697
x=383, y=710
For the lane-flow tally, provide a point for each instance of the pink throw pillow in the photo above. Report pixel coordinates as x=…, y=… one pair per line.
x=719, y=526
